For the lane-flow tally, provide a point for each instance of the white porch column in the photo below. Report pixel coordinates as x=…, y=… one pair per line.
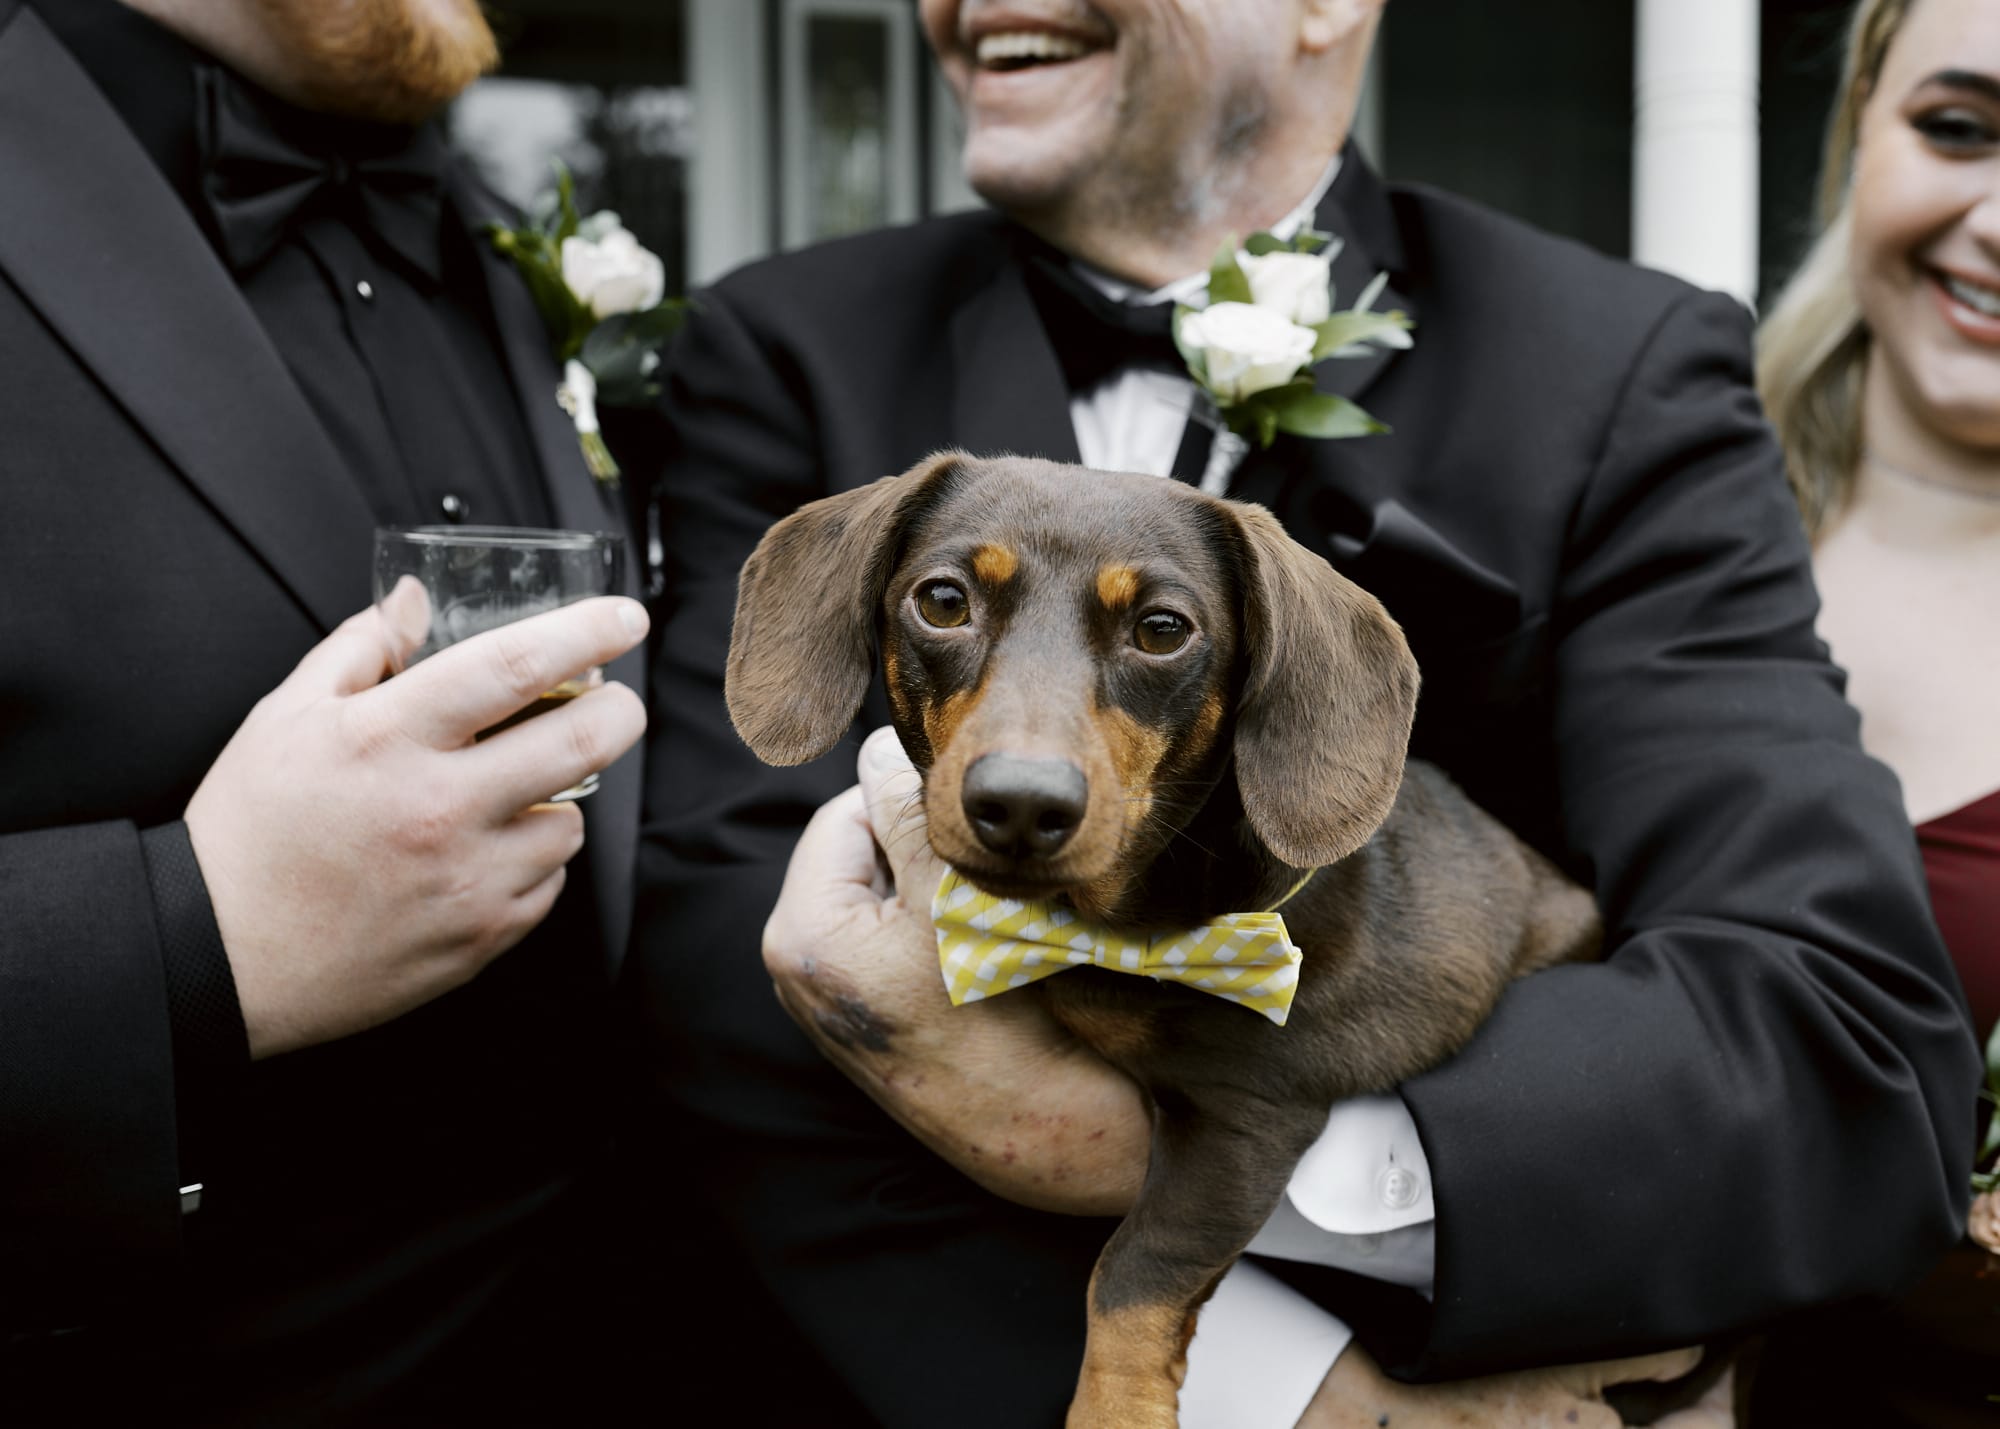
x=729, y=176
x=1694, y=162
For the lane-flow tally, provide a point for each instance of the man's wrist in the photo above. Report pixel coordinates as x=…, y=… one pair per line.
x=1071, y=1136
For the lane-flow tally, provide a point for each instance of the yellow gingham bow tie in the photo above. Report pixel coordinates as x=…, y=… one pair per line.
x=990, y=945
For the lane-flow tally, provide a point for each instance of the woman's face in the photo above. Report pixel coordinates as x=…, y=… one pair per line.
x=1926, y=247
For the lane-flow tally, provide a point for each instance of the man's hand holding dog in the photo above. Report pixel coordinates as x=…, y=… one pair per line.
x=996, y=1088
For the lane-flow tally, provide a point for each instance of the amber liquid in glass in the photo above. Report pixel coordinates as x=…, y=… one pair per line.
x=548, y=700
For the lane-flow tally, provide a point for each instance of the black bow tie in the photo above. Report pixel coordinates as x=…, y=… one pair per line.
x=263, y=169
x=1094, y=335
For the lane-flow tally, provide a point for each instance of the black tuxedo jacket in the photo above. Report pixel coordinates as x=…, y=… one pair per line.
x=1760, y=1100
x=175, y=532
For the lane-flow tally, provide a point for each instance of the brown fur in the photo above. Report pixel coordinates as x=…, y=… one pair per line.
x=1422, y=907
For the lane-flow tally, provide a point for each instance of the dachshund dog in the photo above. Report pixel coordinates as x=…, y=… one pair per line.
x=1152, y=707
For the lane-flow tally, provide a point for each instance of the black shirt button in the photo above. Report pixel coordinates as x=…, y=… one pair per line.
x=454, y=507
x=365, y=290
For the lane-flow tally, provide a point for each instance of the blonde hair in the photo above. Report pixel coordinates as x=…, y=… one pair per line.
x=1813, y=347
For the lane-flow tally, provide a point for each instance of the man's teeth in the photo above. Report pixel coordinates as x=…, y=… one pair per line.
x=1023, y=46
x=1984, y=301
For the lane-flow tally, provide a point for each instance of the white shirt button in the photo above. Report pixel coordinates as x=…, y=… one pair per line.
x=365, y=290
x=454, y=507
x=1399, y=1187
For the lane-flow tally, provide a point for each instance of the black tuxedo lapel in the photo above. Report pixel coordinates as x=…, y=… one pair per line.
x=151, y=310
x=580, y=503
x=575, y=498
x=1356, y=210
x=1348, y=498
x=1009, y=394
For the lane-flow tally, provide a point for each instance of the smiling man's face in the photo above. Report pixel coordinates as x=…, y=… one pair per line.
x=1140, y=102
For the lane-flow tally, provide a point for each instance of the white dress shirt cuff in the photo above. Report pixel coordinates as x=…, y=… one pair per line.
x=1360, y=1199
x=1259, y=1352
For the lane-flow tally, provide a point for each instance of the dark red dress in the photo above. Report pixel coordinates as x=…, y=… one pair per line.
x=1962, y=861
x=1931, y=1360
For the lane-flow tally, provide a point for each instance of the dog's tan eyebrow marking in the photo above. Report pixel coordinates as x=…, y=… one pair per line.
x=1117, y=585
x=994, y=565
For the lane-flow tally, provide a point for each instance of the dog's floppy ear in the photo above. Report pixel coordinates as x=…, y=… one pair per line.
x=802, y=647
x=1329, y=693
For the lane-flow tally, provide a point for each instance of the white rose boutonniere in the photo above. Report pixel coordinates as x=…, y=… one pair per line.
x=1246, y=349
x=603, y=297
x=1298, y=286
x=610, y=273
x=1268, y=321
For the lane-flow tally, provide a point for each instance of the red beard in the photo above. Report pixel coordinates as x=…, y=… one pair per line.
x=396, y=61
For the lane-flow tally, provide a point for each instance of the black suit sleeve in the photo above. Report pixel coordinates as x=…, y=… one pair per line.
x=899, y=1270
x=211, y=1046
x=123, y=1045
x=86, y=1085
x=1765, y=1096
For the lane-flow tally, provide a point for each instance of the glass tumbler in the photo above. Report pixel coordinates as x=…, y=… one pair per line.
x=479, y=578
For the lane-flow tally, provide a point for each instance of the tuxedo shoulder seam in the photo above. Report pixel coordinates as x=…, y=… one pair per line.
x=1616, y=411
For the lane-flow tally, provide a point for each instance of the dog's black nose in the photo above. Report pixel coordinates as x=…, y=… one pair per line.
x=1024, y=806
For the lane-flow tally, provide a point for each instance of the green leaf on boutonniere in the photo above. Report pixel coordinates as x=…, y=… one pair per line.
x=1321, y=414
x=1226, y=283
x=1350, y=330
x=621, y=352
x=566, y=217
x=1259, y=244
x=539, y=260
x=1253, y=419
x=1260, y=416
x=1301, y=410
x=1312, y=240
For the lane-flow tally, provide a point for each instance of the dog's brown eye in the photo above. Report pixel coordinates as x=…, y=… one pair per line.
x=943, y=604
x=1160, y=633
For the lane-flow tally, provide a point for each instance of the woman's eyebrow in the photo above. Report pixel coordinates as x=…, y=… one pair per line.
x=1984, y=85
